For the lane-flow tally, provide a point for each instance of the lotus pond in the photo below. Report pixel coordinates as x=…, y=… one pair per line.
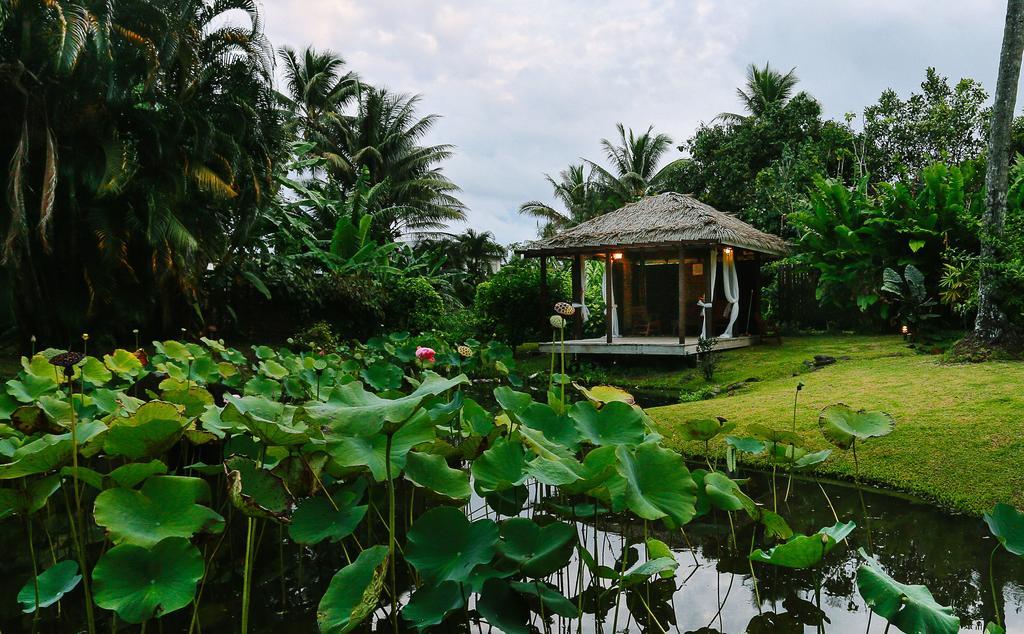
x=377, y=488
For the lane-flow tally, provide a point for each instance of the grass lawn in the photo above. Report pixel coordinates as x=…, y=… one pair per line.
x=959, y=438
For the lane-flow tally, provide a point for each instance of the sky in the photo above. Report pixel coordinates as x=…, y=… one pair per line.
x=525, y=87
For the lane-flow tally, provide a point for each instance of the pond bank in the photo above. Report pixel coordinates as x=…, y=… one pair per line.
x=959, y=431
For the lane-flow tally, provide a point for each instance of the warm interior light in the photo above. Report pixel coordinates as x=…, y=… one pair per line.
x=616, y=256
x=905, y=330
x=727, y=250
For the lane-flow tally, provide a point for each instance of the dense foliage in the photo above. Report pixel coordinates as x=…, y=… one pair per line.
x=360, y=462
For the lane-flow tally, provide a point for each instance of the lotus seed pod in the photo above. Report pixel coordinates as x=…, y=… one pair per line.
x=85, y=336
x=565, y=309
x=557, y=321
x=465, y=351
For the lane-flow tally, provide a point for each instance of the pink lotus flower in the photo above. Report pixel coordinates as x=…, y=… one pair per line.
x=425, y=354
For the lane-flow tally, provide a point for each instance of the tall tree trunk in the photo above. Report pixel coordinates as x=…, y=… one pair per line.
x=990, y=323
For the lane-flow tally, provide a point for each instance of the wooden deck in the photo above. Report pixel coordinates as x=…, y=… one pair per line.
x=661, y=346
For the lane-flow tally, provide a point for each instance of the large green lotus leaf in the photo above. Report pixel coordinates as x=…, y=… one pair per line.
x=599, y=466
x=273, y=369
x=537, y=551
x=263, y=387
x=147, y=440
x=139, y=583
x=479, y=421
x=1007, y=524
x=316, y=520
x=123, y=363
x=194, y=399
x=657, y=549
x=747, y=445
x=353, y=592
x=255, y=491
x=431, y=603
x=54, y=582
x=32, y=419
x=504, y=608
x=508, y=502
x=804, y=551
x=841, y=425
x=166, y=506
x=614, y=424
x=774, y=436
x=7, y=405
x=602, y=394
x=383, y=376
x=992, y=628
x=432, y=472
x=704, y=429
x=664, y=567
x=301, y=472
x=911, y=608
x=811, y=459
x=511, y=401
x=268, y=420
x=47, y=452
x=443, y=545
x=173, y=350
x=351, y=410
x=552, y=601
x=658, y=483
x=503, y=466
x=30, y=387
x=31, y=498
x=725, y=493
x=556, y=427
x=359, y=451
x=133, y=473
x=94, y=372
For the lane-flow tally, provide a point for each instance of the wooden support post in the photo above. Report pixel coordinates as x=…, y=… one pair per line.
x=756, y=308
x=608, y=296
x=709, y=314
x=682, y=295
x=577, y=295
x=545, y=301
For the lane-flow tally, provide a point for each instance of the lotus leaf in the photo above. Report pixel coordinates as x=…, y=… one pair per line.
x=842, y=425
x=273, y=369
x=269, y=421
x=508, y=502
x=255, y=491
x=383, y=376
x=556, y=427
x=602, y=394
x=316, y=520
x=811, y=459
x=1007, y=524
x=657, y=549
x=133, y=473
x=704, y=429
x=503, y=466
x=430, y=603
x=30, y=387
x=911, y=608
x=165, y=506
x=804, y=551
x=123, y=363
x=139, y=583
x=504, y=609
x=658, y=483
x=443, y=545
x=775, y=436
x=479, y=421
x=641, y=572
x=726, y=494
x=537, y=551
x=747, y=445
x=614, y=424
x=432, y=472
x=553, y=601
x=352, y=411
x=94, y=372
x=371, y=452
x=53, y=583
x=47, y=452
x=262, y=386
x=193, y=399
x=145, y=440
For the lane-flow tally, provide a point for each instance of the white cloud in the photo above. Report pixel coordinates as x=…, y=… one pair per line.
x=527, y=87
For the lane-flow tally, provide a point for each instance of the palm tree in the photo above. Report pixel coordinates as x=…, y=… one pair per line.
x=318, y=89
x=153, y=131
x=990, y=323
x=479, y=253
x=765, y=87
x=575, y=189
x=384, y=136
x=634, y=161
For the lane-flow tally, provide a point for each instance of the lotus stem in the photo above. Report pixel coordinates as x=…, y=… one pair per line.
x=992, y=585
x=35, y=566
x=391, y=534
x=753, y=575
x=561, y=379
x=82, y=562
x=551, y=370
x=250, y=530
x=860, y=494
x=827, y=499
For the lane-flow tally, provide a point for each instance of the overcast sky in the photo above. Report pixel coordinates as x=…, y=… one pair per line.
x=526, y=86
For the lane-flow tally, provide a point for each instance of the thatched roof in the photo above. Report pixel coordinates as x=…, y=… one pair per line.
x=663, y=220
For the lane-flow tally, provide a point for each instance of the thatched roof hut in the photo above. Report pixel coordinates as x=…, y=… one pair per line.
x=662, y=257
x=665, y=219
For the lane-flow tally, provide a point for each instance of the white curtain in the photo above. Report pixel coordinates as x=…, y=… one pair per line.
x=604, y=293
x=731, y=288
x=581, y=302
x=708, y=302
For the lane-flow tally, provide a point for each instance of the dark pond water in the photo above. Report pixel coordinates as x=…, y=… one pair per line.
x=713, y=590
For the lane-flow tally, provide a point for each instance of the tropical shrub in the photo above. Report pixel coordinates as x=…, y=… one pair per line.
x=413, y=304
x=509, y=305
